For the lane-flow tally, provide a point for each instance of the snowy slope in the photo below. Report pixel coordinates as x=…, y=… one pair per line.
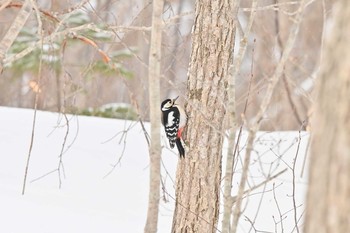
x=90, y=201
x=86, y=202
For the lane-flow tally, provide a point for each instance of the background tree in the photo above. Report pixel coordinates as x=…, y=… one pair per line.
x=328, y=206
x=125, y=36
x=154, y=100
x=199, y=174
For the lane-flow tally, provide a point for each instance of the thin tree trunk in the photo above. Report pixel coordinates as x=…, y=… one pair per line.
x=174, y=43
x=154, y=101
x=228, y=199
x=14, y=29
x=199, y=174
x=328, y=198
x=263, y=108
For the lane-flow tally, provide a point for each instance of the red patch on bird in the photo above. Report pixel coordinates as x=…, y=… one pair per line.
x=179, y=133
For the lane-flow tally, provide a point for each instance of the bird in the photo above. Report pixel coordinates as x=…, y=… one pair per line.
x=174, y=120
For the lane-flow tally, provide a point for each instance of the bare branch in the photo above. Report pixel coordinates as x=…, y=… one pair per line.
x=4, y=4
x=284, y=78
x=278, y=208
x=274, y=7
x=293, y=184
x=30, y=147
x=123, y=138
x=252, y=225
x=60, y=161
x=69, y=14
x=37, y=93
x=13, y=31
x=263, y=107
x=51, y=37
x=176, y=17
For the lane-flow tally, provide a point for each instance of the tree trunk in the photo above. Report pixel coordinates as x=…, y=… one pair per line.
x=199, y=174
x=154, y=101
x=328, y=198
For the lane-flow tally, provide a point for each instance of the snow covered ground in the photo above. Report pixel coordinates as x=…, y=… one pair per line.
x=93, y=198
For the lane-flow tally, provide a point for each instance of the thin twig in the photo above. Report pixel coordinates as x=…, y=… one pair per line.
x=260, y=201
x=60, y=162
x=284, y=78
x=123, y=138
x=305, y=157
x=252, y=225
x=268, y=179
x=43, y=176
x=301, y=215
x=278, y=208
x=178, y=16
x=121, y=155
x=136, y=106
x=266, y=191
x=274, y=7
x=66, y=148
x=31, y=144
x=37, y=93
x=294, y=186
x=68, y=32
x=43, y=12
x=263, y=107
x=13, y=31
x=68, y=14
x=291, y=101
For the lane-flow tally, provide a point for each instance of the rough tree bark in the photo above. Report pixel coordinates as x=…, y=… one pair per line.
x=154, y=100
x=199, y=174
x=328, y=205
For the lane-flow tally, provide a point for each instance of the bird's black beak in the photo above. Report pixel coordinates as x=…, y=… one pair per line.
x=175, y=99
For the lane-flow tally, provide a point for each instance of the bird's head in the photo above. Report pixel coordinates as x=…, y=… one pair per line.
x=167, y=104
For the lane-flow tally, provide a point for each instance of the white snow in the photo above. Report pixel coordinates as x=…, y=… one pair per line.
x=90, y=201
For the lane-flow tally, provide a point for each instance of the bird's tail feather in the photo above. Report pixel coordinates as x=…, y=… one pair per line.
x=180, y=147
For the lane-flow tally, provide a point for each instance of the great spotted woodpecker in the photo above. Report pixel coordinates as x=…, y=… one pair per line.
x=174, y=120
